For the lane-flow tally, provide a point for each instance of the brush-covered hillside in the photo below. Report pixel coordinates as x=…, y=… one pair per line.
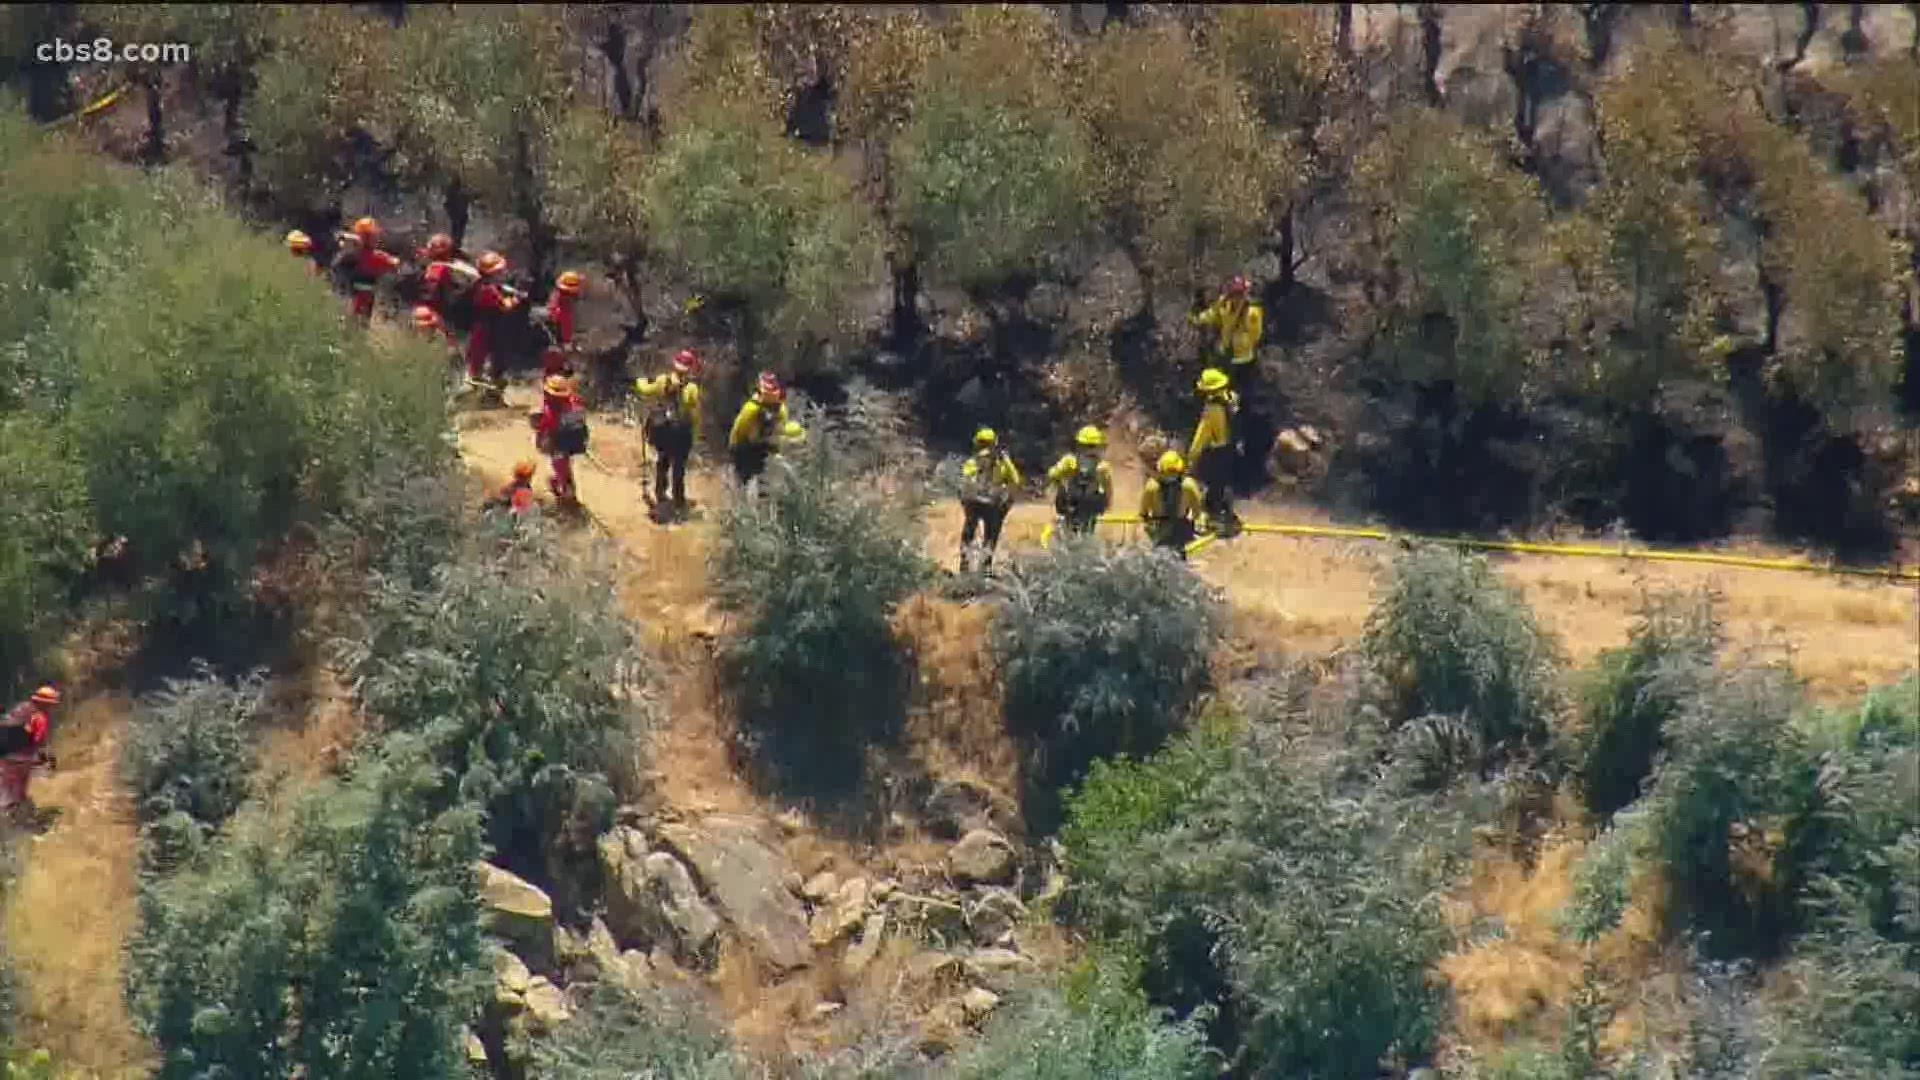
x=357, y=775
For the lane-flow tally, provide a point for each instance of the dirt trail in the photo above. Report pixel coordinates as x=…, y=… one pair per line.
x=71, y=908
x=1846, y=635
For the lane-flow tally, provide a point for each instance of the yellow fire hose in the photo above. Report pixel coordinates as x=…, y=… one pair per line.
x=1898, y=574
x=104, y=103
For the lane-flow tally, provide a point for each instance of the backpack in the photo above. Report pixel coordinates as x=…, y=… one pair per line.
x=984, y=485
x=1082, y=489
x=13, y=731
x=570, y=434
x=1170, y=492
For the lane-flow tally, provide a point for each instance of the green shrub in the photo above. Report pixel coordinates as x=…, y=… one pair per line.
x=1855, y=1012
x=1733, y=758
x=1602, y=880
x=1096, y=1028
x=525, y=682
x=1634, y=690
x=343, y=942
x=400, y=525
x=1102, y=651
x=814, y=569
x=1852, y=845
x=209, y=392
x=50, y=192
x=1303, y=914
x=619, y=1034
x=1456, y=641
x=189, y=752
x=44, y=552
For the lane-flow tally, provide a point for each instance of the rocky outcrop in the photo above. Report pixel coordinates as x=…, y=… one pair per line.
x=842, y=913
x=992, y=915
x=982, y=856
x=742, y=873
x=651, y=899
x=516, y=910
x=957, y=807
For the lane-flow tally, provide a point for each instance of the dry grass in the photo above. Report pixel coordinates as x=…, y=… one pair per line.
x=954, y=728
x=1519, y=984
x=73, y=904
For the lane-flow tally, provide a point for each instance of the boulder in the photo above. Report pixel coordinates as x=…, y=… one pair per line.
x=978, y=1002
x=862, y=952
x=982, y=856
x=992, y=916
x=957, y=807
x=694, y=927
x=514, y=909
x=547, y=1006
x=843, y=914
x=935, y=966
x=742, y=873
x=650, y=897
x=820, y=886
x=511, y=980
x=998, y=969
x=937, y=919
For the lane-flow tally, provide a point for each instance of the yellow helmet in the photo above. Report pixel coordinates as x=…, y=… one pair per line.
x=299, y=243
x=984, y=438
x=1212, y=381
x=1090, y=436
x=1172, y=464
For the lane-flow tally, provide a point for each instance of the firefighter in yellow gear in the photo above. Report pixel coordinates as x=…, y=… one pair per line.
x=1082, y=483
x=758, y=428
x=673, y=420
x=1169, y=505
x=1237, y=322
x=988, y=484
x=1211, y=450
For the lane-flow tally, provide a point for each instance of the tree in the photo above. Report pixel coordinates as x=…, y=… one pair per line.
x=1460, y=241
x=1185, y=169
x=1291, y=71
x=884, y=62
x=1643, y=255
x=321, y=84
x=478, y=95
x=768, y=229
x=226, y=40
x=594, y=172
x=347, y=946
x=992, y=171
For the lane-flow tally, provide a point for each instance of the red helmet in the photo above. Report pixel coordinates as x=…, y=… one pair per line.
x=686, y=363
x=1237, y=287
x=439, y=246
x=523, y=470
x=366, y=229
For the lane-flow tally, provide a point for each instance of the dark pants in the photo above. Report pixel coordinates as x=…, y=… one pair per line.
x=983, y=517
x=672, y=444
x=1078, y=519
x=1215, y=473
x=1254, y=427
x=749, y=461
x=1173, y=535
